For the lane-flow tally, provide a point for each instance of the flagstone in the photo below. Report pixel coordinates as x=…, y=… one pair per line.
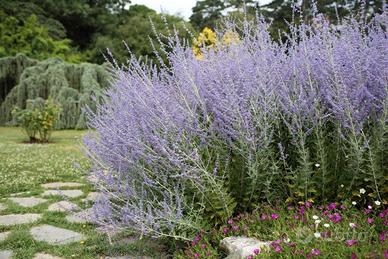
x=64, y=193
x=84, y=216
x=92, y=197
x=17, y=219
x=6, y=254
x=63, y=206
x=4, y=236
x=54, y=235
x=28, y=202
x=45, y=256
x=58, y=185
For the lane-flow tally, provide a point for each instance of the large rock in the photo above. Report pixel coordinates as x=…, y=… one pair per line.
x=5, y=254
x=63, y=206
x=54, y=235
x=28, y=202
x=63, y=193
x=17, y=219
x=242, y=247
x=58, y=185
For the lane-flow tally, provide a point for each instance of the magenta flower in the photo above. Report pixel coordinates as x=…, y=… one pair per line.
x=236, y=228
x=351, y=242
x=263, y=217
x=256, y=251
x=369, y=220
x=197, y=238
x=367, y=211
x=354, y=256
x=203, y=246
x=315, y=252
x=278, y=249
x=196, y=255
x=274, y=216
x=332, y=206
x=386, y=254
x=382, y=236
x=230, y=222
x=308, y=204
x=336, y=217
x=342, y=207
x=226, y=231
x=250, y=257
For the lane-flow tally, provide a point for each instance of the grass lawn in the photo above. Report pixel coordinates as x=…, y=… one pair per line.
x=24, y=167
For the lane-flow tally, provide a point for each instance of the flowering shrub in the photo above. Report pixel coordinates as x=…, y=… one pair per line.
x=301, y=231
x=259, y=121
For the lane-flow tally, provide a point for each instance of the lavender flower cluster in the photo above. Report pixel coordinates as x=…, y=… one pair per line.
x=239, y=124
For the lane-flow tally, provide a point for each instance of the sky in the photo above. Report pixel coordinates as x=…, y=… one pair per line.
x=182, y=7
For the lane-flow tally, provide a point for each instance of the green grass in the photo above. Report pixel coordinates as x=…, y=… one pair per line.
x=24, y=167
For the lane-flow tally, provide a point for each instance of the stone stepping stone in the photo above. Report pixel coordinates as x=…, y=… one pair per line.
x=45, y=256
x=4, y=236
x=17, y=219
x=92, y=197
x=58, y=185
x=2, y=207
x=81, y=217
x=19, y=193
x=63, y=193
x=63, y=206
x=242, y=247
x=54, y=235
x=6, y=254
x=28, y=202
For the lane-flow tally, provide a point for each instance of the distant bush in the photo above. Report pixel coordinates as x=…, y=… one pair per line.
x=38, y=119
x=188, y=146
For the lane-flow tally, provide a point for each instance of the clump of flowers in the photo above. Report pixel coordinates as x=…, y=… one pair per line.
x=187, y=145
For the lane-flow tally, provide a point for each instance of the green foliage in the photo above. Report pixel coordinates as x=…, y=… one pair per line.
x=72, y=86
x=39, y=117
x=32, y=39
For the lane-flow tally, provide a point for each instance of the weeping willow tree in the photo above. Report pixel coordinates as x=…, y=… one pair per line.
x=73, y=86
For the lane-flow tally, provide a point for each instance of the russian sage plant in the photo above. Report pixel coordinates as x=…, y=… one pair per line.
x=189, y=144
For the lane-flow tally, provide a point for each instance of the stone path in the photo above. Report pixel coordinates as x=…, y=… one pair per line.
x=84, y=216
x=54, y=235
x=58, y=185
x=6, y=254
x=63, y=193
x=63, y=206
x=45, y=256
x=4, y=236
x=28, y=202
x=49, y=233
x=17, y=219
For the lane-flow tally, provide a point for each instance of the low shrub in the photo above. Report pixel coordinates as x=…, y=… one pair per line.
x=38, y=119
x=188, y=146
x=334, y=230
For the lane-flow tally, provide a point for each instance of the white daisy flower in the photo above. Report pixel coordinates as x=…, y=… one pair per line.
x=354, y=203
x=326, y=225
x=317, y=235
x=362, y=191
x=378, y=203
x=315, y=217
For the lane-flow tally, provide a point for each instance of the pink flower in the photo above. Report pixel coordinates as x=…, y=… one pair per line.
x=230, y=222
x=256, y=251
x=367, y=211
x=197, y=238
x=250, y=257
x=274, y=216
x=354, y=256
x=382, y=236
x=351, y=242
x=308, y=204
x=386, y=254
x=278, y=249
x=369, y=220
x=342, y=207
x=203, y=246
x=236, y=228
x=226, y=231
x=315, y=252
x=263, y=217
x=290, y=208
x=336, y=217
x=332, y=206
x=196, y=255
